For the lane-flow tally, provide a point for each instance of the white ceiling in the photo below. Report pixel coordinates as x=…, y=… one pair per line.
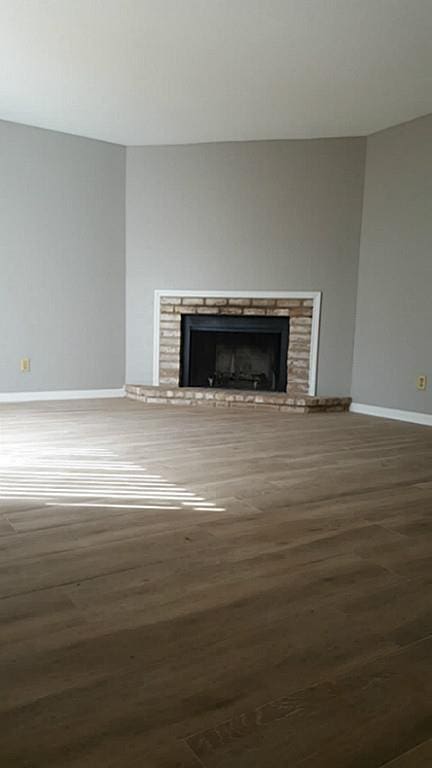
x=180, y=71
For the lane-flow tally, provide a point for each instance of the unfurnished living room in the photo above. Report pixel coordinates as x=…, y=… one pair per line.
x=216, y=384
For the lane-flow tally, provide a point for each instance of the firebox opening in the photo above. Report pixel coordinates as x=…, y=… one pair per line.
x=234, y=352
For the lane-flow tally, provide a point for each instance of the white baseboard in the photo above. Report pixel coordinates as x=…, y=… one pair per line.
x=392, y=413
x=61, y=394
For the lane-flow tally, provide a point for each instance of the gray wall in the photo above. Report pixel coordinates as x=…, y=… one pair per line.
x=261, y=215
x=393, y=341
x=61, y=260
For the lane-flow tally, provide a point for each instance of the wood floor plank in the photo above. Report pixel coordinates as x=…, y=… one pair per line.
x=419, y=757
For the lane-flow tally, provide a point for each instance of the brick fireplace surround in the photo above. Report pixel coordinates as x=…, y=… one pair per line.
x=303, y=310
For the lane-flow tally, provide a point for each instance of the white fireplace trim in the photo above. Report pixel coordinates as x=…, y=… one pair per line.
x=316, y=313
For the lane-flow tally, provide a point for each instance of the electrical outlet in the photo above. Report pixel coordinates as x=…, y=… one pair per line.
x=25, y=365
x=421, y=382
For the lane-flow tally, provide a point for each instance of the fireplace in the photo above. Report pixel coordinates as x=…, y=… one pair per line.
x=215, y=348
x=234, y=352
x=279, y=355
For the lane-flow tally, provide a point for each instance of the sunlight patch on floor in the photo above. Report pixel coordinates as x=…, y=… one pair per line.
x=77, y=477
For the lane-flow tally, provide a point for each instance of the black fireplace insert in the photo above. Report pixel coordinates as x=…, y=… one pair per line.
x=234, y=352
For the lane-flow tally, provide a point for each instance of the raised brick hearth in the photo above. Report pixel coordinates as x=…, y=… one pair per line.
x=275, y=401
